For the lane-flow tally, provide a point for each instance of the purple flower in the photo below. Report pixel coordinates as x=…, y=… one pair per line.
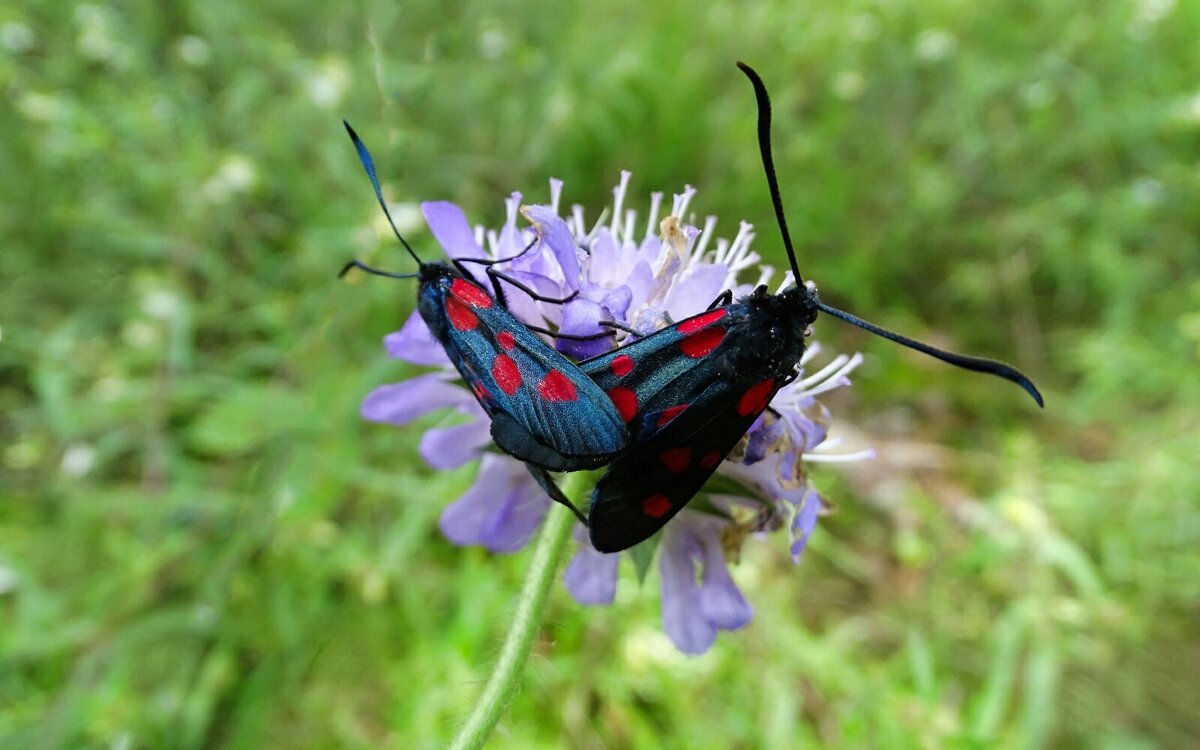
x=642, y=275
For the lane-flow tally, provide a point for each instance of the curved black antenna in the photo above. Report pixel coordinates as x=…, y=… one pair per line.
x=374, y=271
x=764, y=147
x=368, y=163
x=977, y=364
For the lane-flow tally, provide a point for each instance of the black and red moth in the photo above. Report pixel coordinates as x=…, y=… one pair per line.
x=690, y=391
x=544, y=410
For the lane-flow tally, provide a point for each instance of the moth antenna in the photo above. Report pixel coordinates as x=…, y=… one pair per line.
x=764, y=147
x=977, y=364
x=368, y=163
x=374, y=271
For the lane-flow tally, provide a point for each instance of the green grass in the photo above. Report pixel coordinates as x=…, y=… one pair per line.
x=245, y=563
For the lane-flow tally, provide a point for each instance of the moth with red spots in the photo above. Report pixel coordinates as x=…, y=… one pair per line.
x=691, y=390
x=544, y=410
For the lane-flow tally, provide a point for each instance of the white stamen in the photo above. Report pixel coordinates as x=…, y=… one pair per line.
x=481, y=236
x=839, y=458
x=822, y=374
x=764, y=279
x=652, y=224
x=577, y=219
x=493, y=243
x=591, y=236
x=619, y=203
x=710, y=223
x=789, y=280
x=739, y=241
x=681, y=201
x=813, y=350
x=556, y=186
x=511, y=206
x=630, y=220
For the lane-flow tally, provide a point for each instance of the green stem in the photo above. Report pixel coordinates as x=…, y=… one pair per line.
x=506, y=675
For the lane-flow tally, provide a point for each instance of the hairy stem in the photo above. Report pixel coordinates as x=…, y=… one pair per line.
x=506, y=674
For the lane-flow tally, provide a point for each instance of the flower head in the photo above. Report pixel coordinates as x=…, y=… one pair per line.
x=641, y=276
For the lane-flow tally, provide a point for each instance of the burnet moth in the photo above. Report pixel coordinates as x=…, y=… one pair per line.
x=544, y=410
x=690, y=391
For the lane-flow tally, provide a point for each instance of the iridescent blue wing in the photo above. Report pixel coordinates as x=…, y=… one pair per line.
x=544, y=410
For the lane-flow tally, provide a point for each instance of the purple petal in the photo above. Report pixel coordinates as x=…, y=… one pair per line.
x=805, y=522
x=695, y=289
x=449, y=226
x=450, y=447
x=414, y=343
x=500, y=511
x=592, y=576
x=604, y=265
x=581, y=317
x=400, y=403
x=808, y=431
x=721, y=602
x=559, y=238
x=641, y=283
x=616, y=302
x=682, y=622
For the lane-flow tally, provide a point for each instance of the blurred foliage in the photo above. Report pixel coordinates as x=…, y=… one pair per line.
x=202, y=545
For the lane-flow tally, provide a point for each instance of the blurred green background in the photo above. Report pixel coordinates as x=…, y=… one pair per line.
x=202, y=545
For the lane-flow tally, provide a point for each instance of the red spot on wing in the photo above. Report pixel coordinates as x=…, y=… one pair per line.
x=470, y=294
x=691, y=325
x=506, y=374
x=506, y=340
x=460, y=315
x=557, y=387
x=657, y=505
x=756, y=398
x=622, y=365
x=710, y=459
x=676, y=459
x=666, y=415
x=702, y=342
x=626, y=402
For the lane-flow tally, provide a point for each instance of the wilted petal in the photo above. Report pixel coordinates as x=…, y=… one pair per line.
x=400, y=403
x=762, y=437
x=592, y=576
x=414, y=343
x=682, y=622
x=450, y=447
x=500, y=511
x=559, y=238
x=449, y=226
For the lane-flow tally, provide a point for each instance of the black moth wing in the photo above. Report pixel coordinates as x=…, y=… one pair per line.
x=647, y=486
x=668, y=369
x=690, y=392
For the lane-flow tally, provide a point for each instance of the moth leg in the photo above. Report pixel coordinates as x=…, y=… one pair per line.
x=547, y=483
x=621, y=327
x=494, y=261
x=724, y=298
x=495, y=275
x=570, y=336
